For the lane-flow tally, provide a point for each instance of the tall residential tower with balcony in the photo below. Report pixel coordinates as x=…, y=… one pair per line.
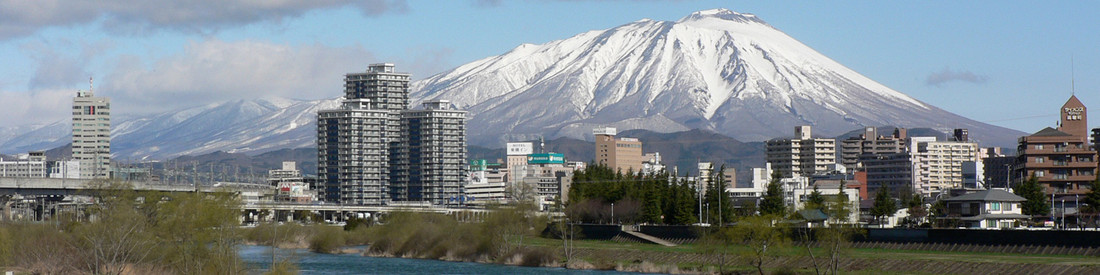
x=373, y=150
x=429, y=162
x=354, y=141
x=803, y=154
x=353, y=154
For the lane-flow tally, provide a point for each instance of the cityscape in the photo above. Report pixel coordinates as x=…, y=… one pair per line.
x=601, y=151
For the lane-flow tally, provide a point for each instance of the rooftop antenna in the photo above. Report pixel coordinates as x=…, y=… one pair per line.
x=1072, y=85
x=90, y=90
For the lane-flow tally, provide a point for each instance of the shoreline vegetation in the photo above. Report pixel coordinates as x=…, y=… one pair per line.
x=137, y=232
x=130, y=232
x=522, y=240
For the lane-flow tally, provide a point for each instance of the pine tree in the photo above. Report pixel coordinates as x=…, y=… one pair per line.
x=884, y=205
x=1092, y=203
x=1036, y=203
x=840, y=209
x=815, y=200
x=772, y=203
x=685, y=205
x=651, y=210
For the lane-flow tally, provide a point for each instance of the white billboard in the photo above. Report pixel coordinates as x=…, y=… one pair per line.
x=520, y=148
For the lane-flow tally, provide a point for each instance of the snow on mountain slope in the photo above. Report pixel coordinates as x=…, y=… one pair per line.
x=243, y=126
x=719, y=70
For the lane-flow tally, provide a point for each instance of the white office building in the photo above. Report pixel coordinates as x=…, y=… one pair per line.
x=92, y=134
x=32, y=165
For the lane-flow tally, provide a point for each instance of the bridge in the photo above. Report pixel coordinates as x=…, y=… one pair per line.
x=42, y=197
x=65, y=187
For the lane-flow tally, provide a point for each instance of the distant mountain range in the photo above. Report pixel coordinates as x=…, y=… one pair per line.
x=725, y=73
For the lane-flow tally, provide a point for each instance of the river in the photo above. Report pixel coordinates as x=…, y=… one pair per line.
x=258, y=258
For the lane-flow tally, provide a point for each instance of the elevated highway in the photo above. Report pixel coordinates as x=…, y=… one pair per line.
x=55, y=187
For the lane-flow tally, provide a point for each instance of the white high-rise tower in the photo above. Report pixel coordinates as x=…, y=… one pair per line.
x=92, y=133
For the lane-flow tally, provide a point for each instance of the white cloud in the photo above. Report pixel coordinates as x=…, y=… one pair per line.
x=204, y=72
x=947, y=75
x=38, y=106
x=214, y=71
x=20, y=17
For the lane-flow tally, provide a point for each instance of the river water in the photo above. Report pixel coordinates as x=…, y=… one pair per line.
x=258, y=259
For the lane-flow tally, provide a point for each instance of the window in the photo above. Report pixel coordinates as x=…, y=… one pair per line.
x=995, y=206
x=1039, y=146
x=1040, y=159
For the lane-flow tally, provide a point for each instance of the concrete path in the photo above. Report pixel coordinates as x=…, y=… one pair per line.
x=649, y=238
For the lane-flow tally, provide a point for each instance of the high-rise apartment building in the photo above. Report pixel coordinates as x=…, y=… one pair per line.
x=92, y=134
x=386, y=89
x=871, y=143
x=620, y=154
x=940, y=165
x=997, y=167
x=893, y=171
x=429, y=162
x=803, y=154
x=1061, y=159
x=353, y=154
x=373, y=150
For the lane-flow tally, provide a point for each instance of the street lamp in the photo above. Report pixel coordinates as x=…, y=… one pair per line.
x=613, y=213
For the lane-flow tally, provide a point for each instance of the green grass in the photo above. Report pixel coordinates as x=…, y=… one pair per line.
x=876, y=253
x=858, y=253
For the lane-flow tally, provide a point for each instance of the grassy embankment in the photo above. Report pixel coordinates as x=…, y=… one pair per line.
x=509, y=237
x=692, y=257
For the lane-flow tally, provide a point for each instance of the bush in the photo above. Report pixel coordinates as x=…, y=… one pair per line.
x=283, y=267
x=326, y=239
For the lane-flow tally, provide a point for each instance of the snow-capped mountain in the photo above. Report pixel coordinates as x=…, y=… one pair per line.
x=719, y=70
x=245, y=126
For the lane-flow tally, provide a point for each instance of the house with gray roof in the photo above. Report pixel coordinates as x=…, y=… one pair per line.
x=987, y=209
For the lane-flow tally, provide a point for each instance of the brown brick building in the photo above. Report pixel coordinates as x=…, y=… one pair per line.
x=1060, y=158
x=621, y=154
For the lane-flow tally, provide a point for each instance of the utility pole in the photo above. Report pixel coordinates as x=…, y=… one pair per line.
x=721, y=193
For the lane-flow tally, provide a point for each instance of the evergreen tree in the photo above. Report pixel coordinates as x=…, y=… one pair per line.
x=884, y=205
x=840, y=209
x=1036, y=203
x=721, y=206
x=685, y=205
x=815, y=200
x=1092, y=203
x=651, y=210
x=772, y=203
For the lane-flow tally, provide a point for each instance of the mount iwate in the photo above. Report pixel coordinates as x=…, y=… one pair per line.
x=716, y=70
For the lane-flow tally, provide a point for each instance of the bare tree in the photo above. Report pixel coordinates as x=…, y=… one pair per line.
x=763, y=234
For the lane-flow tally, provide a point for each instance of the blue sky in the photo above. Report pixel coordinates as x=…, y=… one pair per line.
x=1005, y=64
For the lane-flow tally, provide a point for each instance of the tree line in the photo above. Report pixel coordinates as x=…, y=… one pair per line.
x=600, y=194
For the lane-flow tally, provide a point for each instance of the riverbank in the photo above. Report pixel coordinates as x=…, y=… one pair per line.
x=692, y=258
